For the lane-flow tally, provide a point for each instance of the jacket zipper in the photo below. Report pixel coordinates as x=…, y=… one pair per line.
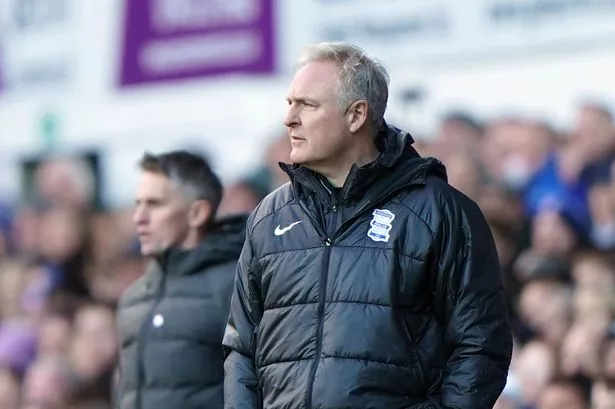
x=143, y=332
x=321, y=302
x=323, y=283
x=321, y=321
x=315, y=222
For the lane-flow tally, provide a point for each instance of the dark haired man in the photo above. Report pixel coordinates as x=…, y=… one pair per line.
x=171, y=321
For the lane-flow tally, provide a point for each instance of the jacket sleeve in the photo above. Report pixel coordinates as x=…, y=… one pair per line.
x=240, y=379
x=473, y=306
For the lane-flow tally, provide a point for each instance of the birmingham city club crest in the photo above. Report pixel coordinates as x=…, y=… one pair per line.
x=380, y=226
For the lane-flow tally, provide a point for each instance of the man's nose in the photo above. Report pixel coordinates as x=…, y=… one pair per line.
x=291, y=119
x=139, y=216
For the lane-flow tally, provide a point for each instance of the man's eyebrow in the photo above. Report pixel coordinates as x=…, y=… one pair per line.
x=300, y=99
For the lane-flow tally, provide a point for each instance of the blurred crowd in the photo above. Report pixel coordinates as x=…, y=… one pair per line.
x=550, y=200
x=548, y=196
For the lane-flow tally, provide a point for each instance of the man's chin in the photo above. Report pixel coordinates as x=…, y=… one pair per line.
x=151, y=251
x=298, y=160
x=299, y=156
x=147, y=252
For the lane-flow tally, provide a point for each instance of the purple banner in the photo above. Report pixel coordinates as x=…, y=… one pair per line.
x=167, y=40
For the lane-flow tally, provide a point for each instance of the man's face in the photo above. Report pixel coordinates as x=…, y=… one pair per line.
x=161, y=214
x=534, y=367
x=317, y=126
x=59, y=234
x=551, y=235
x=594, y=132
x=94, y=344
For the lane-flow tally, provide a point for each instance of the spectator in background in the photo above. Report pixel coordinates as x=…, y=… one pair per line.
x=6, y=228
x=513, y=149
x=572, y=170
x=270, y=176
x=64, y=249
x=9, y=390
x=92, y=353
x=54, y=335
x=458, y=131
x=171, y=320
x=65, y=182
x=564, y=393
x=48, y=384
x=367, y=281
x=240, y=197
x=608, y=354
x=244, y=195
x=602, y=208
x=534, y=367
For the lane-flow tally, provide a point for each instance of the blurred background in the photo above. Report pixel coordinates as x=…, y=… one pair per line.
x=515, y=96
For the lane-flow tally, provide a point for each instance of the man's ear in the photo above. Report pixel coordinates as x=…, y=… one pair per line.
x=357, y=115
x=200, y=214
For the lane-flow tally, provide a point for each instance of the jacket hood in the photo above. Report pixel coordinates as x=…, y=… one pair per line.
x=222, y=244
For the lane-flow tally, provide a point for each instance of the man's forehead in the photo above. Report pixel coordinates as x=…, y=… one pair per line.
x=153, y=182
x=154, y=178
x=314, y=78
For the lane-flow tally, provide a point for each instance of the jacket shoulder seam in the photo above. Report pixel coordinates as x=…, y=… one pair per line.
x=431, y=231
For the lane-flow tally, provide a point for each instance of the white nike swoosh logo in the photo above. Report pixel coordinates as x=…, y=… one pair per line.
x=280, y=231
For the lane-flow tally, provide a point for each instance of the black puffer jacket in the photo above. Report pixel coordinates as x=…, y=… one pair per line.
x=386, y=296
x=171, y=322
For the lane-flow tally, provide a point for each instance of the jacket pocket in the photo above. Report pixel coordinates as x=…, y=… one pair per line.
x=411, y=341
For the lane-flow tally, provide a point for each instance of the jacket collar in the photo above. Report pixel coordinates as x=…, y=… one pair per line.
x=398, y=164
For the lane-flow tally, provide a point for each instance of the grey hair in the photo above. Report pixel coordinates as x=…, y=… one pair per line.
x=190, y=172
x=361, y=77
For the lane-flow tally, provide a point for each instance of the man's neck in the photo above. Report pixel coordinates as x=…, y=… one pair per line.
x=192, y=240
x=362, y=154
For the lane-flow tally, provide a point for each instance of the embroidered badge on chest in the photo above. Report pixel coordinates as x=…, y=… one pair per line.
x=381, y=225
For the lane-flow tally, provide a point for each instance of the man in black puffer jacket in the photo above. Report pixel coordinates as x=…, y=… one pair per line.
x=367, y=282
x=171, y=321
